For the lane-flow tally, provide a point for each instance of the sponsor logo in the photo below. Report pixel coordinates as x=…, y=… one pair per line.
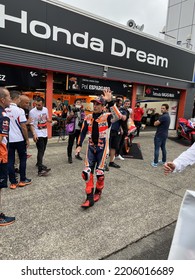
x=33, y=74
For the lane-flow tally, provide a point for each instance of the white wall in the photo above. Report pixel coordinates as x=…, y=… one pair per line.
x=181, y=22
x=173, y=106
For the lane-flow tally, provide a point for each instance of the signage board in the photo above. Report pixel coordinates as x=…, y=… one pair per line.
x=54, y=30
x=95, y=86
x=162, y=92
x=19, y=76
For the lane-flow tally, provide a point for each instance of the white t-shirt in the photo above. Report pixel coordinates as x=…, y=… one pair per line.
x=16, y=116
x=40, y=118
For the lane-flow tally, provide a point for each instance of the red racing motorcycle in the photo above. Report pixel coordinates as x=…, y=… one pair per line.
x=186, y=129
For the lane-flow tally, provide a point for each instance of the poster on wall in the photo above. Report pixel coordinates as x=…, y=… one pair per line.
x=173, y=106
x=95, y=86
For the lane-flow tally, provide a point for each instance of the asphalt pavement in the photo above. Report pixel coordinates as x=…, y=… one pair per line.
x=134, y=219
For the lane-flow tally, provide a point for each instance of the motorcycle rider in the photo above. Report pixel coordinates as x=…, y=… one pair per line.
x=97, y=126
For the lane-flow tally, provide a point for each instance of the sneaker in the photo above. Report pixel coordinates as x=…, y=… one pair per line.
x=25, y=183
x=5, y=221
x=113, y=164
x=70, y=159
x=47, y=169
x=43, y=166
x=78, y=157
x=154, y=164
x=13, y=186
x=161, y=162
x=119, y=157
x=43, y=173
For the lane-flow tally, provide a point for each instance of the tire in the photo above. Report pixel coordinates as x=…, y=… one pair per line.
x=192, y=138
x=179, y=136
x=126, y=147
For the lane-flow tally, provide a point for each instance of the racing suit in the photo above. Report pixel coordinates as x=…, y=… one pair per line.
x=97, y=127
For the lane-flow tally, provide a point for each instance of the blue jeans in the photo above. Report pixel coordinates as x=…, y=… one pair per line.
x=160, y=142
x=20, y=147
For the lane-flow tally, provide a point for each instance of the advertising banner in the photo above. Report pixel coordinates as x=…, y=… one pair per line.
x=84, y=84
x=162, y=92
x=54, y=30
x=19, y=76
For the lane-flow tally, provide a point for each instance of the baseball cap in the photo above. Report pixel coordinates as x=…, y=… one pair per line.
x=99, y=100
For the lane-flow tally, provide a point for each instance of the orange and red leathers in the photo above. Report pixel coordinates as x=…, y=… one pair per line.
x=89, y=185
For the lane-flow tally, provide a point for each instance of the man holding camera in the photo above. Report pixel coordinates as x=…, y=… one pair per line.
x=76, y=116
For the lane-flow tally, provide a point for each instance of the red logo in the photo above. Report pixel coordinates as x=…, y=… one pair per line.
x=148, y=91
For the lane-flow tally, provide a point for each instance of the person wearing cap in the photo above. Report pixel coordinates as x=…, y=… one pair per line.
x=97, y=126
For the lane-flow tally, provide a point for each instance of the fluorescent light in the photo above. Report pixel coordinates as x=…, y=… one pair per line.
x=12, y=86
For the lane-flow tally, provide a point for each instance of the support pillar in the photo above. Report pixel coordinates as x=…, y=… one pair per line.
x=133, y=98
x=49, y=99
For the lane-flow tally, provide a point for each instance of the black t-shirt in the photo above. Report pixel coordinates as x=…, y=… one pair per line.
x=124, y=123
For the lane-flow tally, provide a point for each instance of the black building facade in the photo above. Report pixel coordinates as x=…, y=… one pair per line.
x=50, y=36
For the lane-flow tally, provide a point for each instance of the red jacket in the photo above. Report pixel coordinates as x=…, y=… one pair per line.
x=138, y=113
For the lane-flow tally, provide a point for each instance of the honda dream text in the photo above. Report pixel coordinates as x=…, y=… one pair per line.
x=80, y=40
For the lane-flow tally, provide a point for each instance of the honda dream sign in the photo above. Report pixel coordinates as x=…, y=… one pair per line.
x=52, y=29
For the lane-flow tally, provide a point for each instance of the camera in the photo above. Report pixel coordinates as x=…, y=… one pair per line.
x=75, y=110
